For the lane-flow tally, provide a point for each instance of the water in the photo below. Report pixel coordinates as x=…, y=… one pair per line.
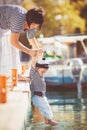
x=68, y=110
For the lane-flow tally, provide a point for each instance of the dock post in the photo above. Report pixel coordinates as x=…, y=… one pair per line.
x=14, y=77
x=3, y=89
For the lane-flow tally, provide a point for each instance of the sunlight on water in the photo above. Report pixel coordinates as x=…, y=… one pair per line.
x=70, y=112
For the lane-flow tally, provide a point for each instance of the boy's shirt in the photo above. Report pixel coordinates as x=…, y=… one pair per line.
x=38, y=82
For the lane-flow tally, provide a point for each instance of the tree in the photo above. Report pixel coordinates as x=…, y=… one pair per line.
x=50, y=26
x=83, y=14
x=73, y=19
x=28, y=4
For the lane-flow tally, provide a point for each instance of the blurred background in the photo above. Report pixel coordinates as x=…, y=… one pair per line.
x=62, y=16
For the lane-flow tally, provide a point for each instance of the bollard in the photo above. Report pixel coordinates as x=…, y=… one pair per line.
x=14, y=77
x=3, y=89
x=23, y=69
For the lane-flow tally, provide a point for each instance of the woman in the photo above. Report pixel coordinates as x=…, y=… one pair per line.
x=17, y=19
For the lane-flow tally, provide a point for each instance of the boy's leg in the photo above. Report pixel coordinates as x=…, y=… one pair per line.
x=44, y=107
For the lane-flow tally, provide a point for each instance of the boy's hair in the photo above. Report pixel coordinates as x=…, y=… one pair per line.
x=35, y=15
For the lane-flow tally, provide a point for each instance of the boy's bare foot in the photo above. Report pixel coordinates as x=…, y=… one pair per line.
x=51, y=122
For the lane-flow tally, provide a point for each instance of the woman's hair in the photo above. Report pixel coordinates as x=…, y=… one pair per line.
x=35, y=15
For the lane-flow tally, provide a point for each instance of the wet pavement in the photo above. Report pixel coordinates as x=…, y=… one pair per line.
x=68, y=110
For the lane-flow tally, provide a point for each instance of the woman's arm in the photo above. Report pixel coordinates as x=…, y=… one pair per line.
x=15, y=42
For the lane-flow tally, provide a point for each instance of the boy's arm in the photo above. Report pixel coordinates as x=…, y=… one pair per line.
x=36, y=57
x=33, y=61
x=39, y=54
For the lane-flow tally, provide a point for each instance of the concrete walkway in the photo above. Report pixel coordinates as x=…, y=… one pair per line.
x=13, y=113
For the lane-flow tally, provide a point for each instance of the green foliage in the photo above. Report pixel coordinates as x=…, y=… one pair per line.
x=51, y=9
x=27, y=4
x=51, y=26
x=74, y=20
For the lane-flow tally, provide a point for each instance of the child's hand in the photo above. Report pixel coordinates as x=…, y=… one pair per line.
x=33, y=53
x=40, y=53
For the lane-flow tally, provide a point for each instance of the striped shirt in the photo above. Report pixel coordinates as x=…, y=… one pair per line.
x=38, y=82
x=31, y=33
x=12, y=17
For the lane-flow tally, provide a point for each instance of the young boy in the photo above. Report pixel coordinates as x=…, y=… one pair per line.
x=38, y=89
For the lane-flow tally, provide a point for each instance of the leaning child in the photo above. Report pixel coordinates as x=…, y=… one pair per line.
x=38, y=89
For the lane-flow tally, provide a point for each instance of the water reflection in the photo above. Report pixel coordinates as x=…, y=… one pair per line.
x=68, y=110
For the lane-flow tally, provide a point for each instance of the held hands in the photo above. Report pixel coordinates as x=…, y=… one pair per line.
x=36, y=56
x=33, y=52
x=36, y=53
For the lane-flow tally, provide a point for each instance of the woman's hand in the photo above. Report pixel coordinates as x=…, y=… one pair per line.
x=33, y=52
x=38, y=54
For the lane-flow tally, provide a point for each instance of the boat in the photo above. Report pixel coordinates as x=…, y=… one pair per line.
x=63, y=71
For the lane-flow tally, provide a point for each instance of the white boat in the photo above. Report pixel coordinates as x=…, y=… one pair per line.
x=63, y=74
